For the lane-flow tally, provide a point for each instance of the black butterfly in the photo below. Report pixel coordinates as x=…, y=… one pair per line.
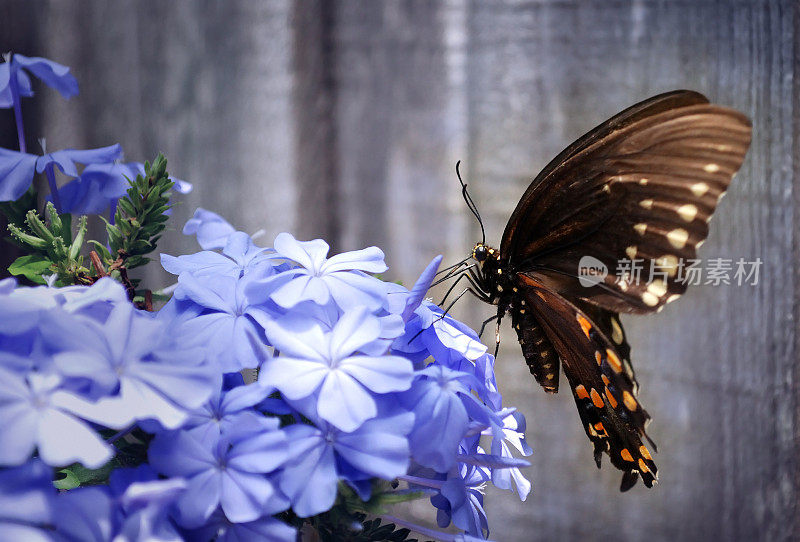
x=642, y=185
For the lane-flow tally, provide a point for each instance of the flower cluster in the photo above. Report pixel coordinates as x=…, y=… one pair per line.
x=118, y=422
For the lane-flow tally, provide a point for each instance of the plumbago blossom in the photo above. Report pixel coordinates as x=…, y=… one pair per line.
x=119, y=422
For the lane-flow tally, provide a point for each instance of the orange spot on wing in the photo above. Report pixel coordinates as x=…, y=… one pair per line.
x=643, y=466
x=586, y=325
x=645, y=453
x=611, y=400
x=599, y=427
x=613, y=360
x=598, y=357
x=596, y=399
x=626, y=455
x=580, y=391
x=629, y=401
x=605, y=379
x=541, y=295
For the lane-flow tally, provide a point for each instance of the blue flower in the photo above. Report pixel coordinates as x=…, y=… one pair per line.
x=220, y=529
x=135, y=368
x=225, y=328
x=510, y=434
x=142, y=502
x=18, y=168
x=101, y=185
x=224, y=473
x=26, y=495
x=37, y=413
x=444, y=408
x=84, y=514
x=323, y=454
x=326, y=365
x=212, y=230
x=229, y=413
x=319, y=279
x=460, y=500
x=239, y=256
x=51, y=73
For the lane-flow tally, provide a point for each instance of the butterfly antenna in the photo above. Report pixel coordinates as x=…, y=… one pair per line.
x=470, y=204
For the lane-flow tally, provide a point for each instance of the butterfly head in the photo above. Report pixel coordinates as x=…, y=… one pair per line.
x=481, y=253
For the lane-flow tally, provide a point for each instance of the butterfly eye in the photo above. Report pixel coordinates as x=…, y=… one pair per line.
x=479, y=253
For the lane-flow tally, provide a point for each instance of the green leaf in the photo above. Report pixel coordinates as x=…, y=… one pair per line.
x=68, y=480
x=32, y=267
x=80, y=475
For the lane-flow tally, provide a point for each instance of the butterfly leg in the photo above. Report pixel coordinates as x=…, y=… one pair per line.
x=483, y=325
x=500, y=312
x=462, y=275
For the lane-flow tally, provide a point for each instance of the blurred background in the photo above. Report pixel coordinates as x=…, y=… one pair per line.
x=344, y=119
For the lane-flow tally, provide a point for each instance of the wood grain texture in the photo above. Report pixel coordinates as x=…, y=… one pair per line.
x=344, y=118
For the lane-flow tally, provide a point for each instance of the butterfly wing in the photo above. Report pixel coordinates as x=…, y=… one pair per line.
x=639, y=188
x=595, y=360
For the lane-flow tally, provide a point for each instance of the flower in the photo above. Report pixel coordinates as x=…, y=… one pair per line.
x=100, y=185
x=135, y=368
x=326, y=365
x=239, y=256
x=212, y=230
x=51, y=73
x=36, y=412
x=225, y=327
x=26, y=495
x=512, y=432
x=142, y=504
x=444, y=408
x=319, y=279
x=224, y=473
x=221, y=529
x=18, y=168
x=322, y=454
x=460, y=500
x=230, y=411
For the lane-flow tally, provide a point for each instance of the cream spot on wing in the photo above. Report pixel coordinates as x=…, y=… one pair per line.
x=616, y=331
x=623, y=285
x=650, y=299
x=658, y=287
x=640, y=228
x=678, y=237
x=631, y=252
x=711, y=168
x=698, y=189
x=646, y=203
x=668, y=263
x=643, y=181
x=672, y=298
x=687, y=212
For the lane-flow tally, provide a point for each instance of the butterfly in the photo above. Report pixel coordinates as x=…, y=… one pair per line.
x=640, y=187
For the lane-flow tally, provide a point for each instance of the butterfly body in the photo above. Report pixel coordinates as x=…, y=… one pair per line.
x=642, y=185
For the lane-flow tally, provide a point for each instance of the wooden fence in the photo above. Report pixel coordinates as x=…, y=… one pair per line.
x=344, y=119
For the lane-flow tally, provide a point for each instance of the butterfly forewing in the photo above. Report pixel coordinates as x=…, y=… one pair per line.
x=638, y=199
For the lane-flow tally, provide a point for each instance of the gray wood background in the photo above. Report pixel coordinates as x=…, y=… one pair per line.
x=344, y=119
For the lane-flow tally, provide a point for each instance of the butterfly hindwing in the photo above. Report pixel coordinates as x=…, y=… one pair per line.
x=604, y=390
